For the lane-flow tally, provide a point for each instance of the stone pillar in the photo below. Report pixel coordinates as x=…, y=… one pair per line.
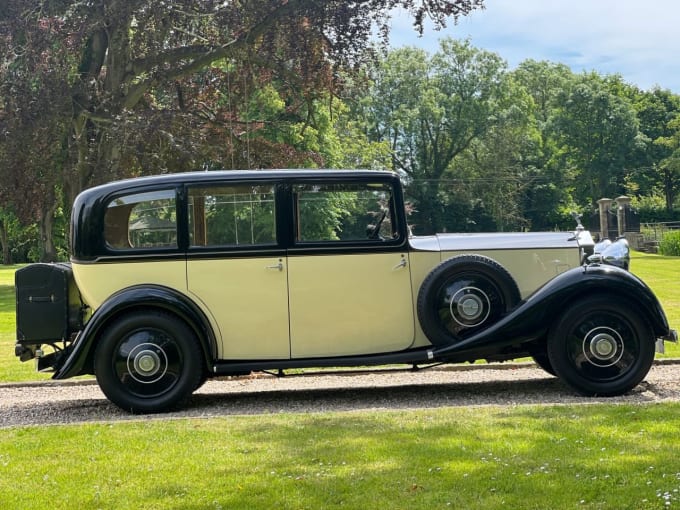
x=623, y=203
x=605, y=204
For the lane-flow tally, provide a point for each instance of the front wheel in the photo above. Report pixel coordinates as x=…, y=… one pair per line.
x=601, y=347
x=148, y=362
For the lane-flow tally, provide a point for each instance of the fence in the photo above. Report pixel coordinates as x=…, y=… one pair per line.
x=652, y=234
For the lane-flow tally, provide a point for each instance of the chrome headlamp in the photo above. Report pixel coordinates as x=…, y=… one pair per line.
x=615, y=254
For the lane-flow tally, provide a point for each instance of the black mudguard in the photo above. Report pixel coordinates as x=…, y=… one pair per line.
x=532, y=318
x=143, y=296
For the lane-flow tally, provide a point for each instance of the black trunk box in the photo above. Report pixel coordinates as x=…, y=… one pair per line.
x=48, y=303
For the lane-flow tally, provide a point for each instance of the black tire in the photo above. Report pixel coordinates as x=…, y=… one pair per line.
x=463, y=295
x=543, y=362
x=601, y=346
x=148, y=362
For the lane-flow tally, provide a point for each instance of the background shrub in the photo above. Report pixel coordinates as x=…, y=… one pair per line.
x=670, y=244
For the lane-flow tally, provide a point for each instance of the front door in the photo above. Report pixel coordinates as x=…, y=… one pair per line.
x=348, y=275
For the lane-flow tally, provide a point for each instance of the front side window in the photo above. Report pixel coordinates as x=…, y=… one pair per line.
x=344, y=212
x=232, y=215
x=142, y=220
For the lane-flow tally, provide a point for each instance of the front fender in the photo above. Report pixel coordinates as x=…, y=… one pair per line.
x=533, y=317
x=141, y=296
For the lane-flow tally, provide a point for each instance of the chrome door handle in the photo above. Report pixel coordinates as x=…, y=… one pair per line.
x=278, y=266
x=402, y=263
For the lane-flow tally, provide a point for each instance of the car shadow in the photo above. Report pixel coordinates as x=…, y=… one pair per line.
x=410, y=396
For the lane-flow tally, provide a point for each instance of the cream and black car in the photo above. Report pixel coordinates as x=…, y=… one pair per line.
x=177, y=278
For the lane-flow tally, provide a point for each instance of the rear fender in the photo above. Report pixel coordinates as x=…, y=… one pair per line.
x=532, y=318
x=79, y=360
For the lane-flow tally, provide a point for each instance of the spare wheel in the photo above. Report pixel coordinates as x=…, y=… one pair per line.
x=463, y=295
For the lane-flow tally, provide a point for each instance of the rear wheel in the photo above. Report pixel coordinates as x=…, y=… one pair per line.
x=601, y=347
x=542, y=360
x=148, y=362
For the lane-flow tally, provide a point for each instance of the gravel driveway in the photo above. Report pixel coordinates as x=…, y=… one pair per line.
x=79, y=402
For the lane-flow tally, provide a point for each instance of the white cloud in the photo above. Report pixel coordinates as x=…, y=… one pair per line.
x=639, y=40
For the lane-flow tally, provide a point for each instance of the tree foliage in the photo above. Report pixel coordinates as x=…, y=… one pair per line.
x=457, y=101
x=484, y=148
x=127, y=87
x=93, y=90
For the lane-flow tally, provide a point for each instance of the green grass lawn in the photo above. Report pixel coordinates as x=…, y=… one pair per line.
x=526, y=457
x=662, y=274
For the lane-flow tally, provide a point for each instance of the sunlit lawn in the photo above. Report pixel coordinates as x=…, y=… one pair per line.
x=527, y=457
x=662, y=274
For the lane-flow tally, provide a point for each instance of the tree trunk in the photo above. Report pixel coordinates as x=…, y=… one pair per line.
x=4, y=240
x=48, y=250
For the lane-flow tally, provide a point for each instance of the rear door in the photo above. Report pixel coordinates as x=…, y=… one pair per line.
x=349, y=280
x=237, y=270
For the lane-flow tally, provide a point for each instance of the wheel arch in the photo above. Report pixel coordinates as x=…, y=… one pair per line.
x=136, y=298
x=532, y=318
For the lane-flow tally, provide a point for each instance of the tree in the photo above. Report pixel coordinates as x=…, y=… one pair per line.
x=159, y=85
x=599, y=133
x=658, y=111
x=549, y=176
x=430, y=110
x=669, y=167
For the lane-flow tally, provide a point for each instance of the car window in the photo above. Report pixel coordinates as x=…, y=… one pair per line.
x=343, y=212
x=143, y=220
x=242, y=215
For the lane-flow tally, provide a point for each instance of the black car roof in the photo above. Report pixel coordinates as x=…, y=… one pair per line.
x=228, y=175
x=87, y=216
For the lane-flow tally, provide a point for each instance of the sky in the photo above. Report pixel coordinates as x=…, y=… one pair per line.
x=638, y=40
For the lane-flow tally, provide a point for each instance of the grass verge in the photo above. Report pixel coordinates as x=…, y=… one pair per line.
x=604, y=456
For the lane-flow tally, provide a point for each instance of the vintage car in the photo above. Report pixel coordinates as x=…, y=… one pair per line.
x=177, y=278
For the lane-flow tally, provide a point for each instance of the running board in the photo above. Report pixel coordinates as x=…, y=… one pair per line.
x=406, y=357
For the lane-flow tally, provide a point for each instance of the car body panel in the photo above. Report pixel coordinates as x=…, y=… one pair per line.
x=98, y=282
x=248, y=298
x=325, y=307
x=530, y=268
x=532, y=258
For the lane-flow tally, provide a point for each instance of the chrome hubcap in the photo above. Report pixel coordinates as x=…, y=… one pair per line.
x=147, y=363
x=603, y=346
x=470, y=306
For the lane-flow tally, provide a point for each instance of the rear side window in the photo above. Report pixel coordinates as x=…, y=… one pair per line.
x=143, y=220
x=232, y=216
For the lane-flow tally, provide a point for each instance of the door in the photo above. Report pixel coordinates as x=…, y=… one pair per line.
x=348, y=276
x=236, y=270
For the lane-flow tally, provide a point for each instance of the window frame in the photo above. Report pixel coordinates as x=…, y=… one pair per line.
x=273, y=248
x=136, y=251
x=350, y=246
